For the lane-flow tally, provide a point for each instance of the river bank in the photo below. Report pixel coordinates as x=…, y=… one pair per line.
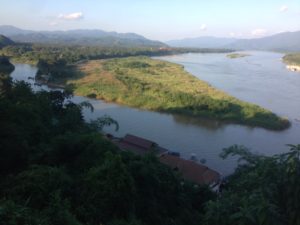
x=292, y=61
x=293, y=68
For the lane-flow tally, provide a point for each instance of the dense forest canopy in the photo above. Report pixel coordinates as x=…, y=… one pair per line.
x=57, y=169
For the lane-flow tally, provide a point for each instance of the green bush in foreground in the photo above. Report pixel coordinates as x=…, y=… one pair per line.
x=57, y=169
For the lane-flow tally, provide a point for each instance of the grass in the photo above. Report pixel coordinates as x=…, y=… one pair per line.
x=157, y=85
x=292, y=59
x=237, y=55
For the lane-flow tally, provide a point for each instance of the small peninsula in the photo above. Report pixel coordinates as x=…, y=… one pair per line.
x=157, y=85
x=292, y=61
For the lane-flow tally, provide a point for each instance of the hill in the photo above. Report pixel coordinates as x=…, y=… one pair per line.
x=201, y=42
x=287, y=41
x=79, y=37
x=4, y=41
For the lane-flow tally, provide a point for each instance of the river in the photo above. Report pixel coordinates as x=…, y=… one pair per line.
x=260, y=78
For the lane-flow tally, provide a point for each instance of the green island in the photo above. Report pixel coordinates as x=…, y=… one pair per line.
x=157, y=85
x=293, y=61
x=237, y=55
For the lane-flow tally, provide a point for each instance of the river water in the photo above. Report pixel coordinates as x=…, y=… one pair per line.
x=260, y=78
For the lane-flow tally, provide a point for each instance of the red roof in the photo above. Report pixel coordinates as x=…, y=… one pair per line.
x=191, y=170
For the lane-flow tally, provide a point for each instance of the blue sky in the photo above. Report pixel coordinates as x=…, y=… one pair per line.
x=157, y=19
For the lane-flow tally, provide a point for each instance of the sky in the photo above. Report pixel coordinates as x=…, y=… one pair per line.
x=157, y=19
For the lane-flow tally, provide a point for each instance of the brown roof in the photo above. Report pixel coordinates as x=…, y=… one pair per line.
x=191, y=170
x=133, y=148
x=139, y=142
x=139, y=145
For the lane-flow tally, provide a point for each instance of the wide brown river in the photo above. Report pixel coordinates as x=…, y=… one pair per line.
x=260, y=78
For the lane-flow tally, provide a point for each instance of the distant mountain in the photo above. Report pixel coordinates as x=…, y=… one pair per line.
x=4, y=41
x=287, y=41
x=201, y=42
x=79, y=37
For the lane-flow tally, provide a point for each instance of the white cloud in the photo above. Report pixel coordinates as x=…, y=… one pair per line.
x=203, y=27
x=259, y=32
x=71, y=16
x=283, y=8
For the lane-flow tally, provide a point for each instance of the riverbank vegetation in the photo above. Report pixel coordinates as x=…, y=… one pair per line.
x=57, y=169
x=292, y=59
x=5, y=69
x=263, y=190
x=32, y=53
x=162, y=86
x=237, y=55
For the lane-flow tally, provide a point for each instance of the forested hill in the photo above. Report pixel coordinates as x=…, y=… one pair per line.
x=287, y=41
x=4, y=41
x=201, y=42
x=79, y=37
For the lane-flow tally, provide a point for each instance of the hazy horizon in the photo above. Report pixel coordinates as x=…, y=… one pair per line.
x=157, y=20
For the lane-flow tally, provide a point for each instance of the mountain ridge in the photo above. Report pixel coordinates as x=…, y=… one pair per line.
x=4, y=41
x=78, y=37
x=201, y=42
x=285, y=41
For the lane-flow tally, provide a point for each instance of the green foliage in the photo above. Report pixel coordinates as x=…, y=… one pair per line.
x=263, y=190
x=57, y=169
x=5, y=69
x=55, y=69
x=100, y=123
x=32, y=53
x=5, y=66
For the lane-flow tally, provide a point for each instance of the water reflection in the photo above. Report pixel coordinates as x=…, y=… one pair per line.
x=201, y=122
